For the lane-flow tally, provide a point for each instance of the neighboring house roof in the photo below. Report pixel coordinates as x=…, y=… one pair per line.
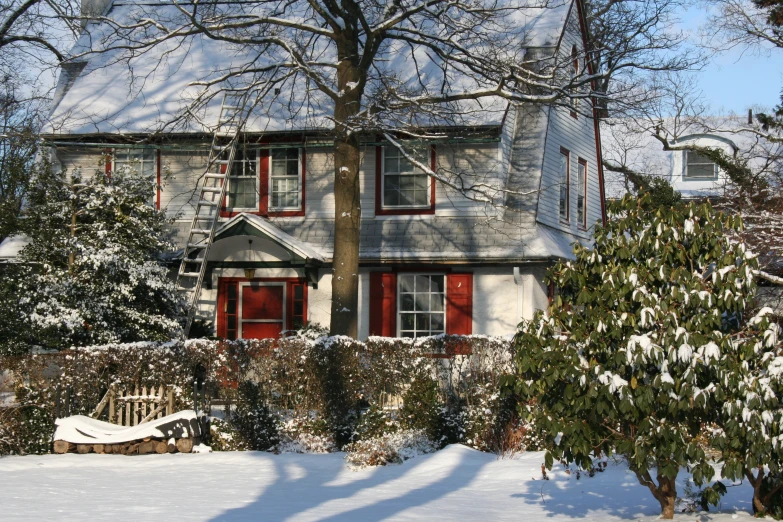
x=105, y=97
x=11, y=246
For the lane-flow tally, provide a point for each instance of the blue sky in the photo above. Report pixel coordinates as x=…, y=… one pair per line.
x=737, y=80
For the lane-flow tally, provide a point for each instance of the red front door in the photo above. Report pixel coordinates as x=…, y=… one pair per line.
x=262, y=310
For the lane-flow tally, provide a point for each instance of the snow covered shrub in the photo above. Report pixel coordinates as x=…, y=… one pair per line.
x=27, y=427
x=375, y=422
x=305, y=434
x=92, y=272
x=252, y=419
x=636, y=353
x=225, y=437
x=391, y=448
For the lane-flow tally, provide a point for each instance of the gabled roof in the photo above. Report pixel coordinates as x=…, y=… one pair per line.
x=252, y=225
x=105, y=97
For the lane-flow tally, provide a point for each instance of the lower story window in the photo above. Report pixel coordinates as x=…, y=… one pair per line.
x=422, y=305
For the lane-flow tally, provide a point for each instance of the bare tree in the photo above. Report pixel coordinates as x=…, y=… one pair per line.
x=404, y=70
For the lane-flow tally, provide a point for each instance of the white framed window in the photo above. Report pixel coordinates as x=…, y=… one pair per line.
x=404, y=186
x=564, y=182
x=137, y=161
x=421, y=308
x=285, y=179
x=581, y=193
x=243, y=190
x=698, y=166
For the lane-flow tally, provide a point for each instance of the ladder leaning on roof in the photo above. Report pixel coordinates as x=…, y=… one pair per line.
x=212, y=193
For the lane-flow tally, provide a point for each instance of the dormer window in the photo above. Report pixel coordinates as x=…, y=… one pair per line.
x=285, y=177
x=243, y=191
x=699, y=167
x=402, y=187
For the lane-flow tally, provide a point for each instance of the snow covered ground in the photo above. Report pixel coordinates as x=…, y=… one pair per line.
x=456, y=483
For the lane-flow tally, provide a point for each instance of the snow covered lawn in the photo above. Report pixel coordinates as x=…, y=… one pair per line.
x=456, y=483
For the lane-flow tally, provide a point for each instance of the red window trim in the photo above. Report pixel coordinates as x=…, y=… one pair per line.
x=384, y=306
x=580, y=161
x=223, y=282
x=379, y=210
x=567, y=153
x=264, y=157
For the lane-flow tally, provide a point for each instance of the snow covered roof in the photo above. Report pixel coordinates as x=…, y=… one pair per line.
x=10, y=247
x=141, y=94
x=624, y=142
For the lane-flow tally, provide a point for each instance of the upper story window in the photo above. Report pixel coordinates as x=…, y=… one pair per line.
x=698, y=166
x=285, y=179
x=564, y=182
x=243, y=186
x=581, y=193
x=137, y=161
x=266, y=182
x=422, y=304
x=404, y=185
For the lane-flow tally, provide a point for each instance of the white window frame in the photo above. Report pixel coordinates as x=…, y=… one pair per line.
x=399, y=299
x=685, y=175
x=298, y=207
x=132, y=162
x=416, y=172
x=257, y=176
x=240, y=311
x=564, y=153
x=581, y=191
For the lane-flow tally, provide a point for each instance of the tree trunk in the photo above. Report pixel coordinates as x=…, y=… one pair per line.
x=758, y=504
x=665, y=492
x=347, y=205
x=668, y=490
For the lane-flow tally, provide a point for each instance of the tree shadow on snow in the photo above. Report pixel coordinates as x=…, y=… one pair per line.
x=324, y=481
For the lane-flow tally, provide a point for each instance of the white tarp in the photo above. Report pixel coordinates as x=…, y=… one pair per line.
x=80, y=429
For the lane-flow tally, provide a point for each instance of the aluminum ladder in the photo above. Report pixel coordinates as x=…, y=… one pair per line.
x=212, y=193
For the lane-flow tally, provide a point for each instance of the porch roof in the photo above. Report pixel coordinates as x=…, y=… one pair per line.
x=252, y=225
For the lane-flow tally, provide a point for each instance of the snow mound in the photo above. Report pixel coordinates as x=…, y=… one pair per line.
x=80, y=429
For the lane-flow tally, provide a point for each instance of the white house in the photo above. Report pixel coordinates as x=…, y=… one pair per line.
x=694, y=176
x=431, y=260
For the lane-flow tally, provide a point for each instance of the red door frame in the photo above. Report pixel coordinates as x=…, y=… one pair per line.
x=291, y=282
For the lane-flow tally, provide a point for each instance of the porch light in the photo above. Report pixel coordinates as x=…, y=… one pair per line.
x=250, y=272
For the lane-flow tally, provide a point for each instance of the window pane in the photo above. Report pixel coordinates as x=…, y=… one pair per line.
x=242, y=192
x=436, y=323
x=298, y=308
x=701, y=171
x=407, y=321
x=436, y=283
x=298, y=292
x=423, y=323
x=231, y=322
x=406, y=283
x=436, y=302
x=563, y=186
x=390, y=164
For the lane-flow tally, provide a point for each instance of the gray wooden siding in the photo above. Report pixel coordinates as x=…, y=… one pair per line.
x=578, y=136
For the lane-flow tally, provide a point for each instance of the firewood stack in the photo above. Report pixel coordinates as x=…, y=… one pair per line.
x=136, y=447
